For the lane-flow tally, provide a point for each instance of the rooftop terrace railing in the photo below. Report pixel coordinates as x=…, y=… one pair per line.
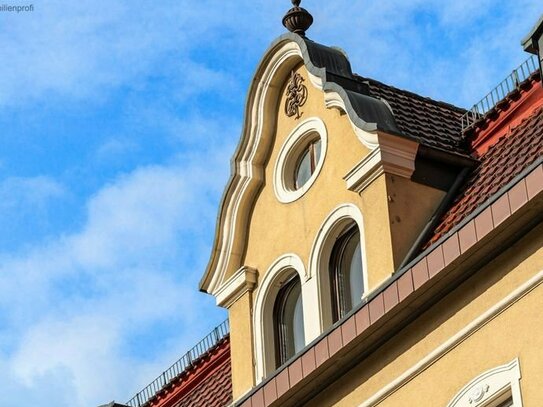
x=211, y=340
x=499, y=93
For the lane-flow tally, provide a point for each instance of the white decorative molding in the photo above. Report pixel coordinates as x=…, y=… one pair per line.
x=253, y=150
x=393, y=155
x=335, y=223
x=280, y=271
x=333, y=100
x=289, y=154
x=242, y=281
x=454, y=341
x=496, y=384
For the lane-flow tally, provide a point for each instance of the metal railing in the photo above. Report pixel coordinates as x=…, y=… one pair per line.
x=211, y=340
x=499, y=93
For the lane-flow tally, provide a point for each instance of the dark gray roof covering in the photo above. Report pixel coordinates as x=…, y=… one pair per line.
x=530, y=42
x=433, y=123
x=333, y=67
x=372, y=105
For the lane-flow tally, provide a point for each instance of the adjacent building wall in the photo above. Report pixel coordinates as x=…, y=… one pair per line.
x=517, y=332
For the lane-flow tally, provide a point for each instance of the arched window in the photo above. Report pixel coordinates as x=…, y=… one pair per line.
x=285, y=314
x=498, y=387
x=346, y=274
x=288, y=321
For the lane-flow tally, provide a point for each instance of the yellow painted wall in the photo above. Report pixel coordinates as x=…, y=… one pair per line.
x=391, y=215
x=241, y=345
x=277, y=228
x=517, y=332
x=410, y=206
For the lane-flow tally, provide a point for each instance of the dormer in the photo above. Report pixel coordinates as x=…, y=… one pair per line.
x=333, y=181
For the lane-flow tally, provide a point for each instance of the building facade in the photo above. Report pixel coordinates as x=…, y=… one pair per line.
x=375, y=247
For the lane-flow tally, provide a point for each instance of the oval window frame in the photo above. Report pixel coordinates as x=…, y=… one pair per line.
x=289, y=155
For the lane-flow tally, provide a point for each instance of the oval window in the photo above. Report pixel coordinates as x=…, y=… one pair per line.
x=300, y=160
x=307, y=163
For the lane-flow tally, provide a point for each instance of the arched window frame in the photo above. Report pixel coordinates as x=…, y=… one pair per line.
x=282, y=332
x=491, y=388
x=335, y=224
x=280, y=272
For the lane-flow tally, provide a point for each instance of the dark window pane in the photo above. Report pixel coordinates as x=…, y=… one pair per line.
x=346, y=273
x=506, y=403
x=307, y=163
x=356, y=284
x=303, y=171
x=288, y=319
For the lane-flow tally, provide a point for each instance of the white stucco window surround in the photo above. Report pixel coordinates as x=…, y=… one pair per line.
x=281, y=270
x=339, y=219
x=290, y=154
x=496, y=387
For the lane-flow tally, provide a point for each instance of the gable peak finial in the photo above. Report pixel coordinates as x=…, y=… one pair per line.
x=297, y=19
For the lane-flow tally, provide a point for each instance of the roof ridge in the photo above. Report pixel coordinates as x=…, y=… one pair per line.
x=413, y=94
x=513, y=129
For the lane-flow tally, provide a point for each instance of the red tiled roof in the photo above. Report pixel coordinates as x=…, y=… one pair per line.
x=214, y=391
x=433, y=123
x=207, y=382
x=503, y=161
x=508, y=113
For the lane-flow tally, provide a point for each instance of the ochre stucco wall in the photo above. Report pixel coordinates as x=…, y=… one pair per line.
x=516, y=332
x=410, y=206
x=241, y=345
x=277, y=228
x=394, y=212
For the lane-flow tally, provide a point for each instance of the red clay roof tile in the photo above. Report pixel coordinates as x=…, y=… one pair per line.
x=499, y=165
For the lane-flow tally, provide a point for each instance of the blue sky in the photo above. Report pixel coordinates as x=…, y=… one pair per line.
x=117, y=123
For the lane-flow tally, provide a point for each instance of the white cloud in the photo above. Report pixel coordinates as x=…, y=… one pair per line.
x=34, y=191
x=87, y=48
x=72, y=306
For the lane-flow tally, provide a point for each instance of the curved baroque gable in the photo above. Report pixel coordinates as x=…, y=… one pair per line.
x=329, y=71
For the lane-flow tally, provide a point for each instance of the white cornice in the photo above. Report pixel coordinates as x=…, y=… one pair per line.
x=393, y=155
x=253, y=151
x=242, y=281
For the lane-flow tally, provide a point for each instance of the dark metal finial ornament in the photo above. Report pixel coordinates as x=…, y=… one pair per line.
x=297, y=19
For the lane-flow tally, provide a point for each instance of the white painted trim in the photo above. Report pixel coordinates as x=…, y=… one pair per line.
x=242, y=281
x=335, y=223
x=394, y=155
x=454, y=341
x=490, y=386
x=280, y=271
x=283, y=174
x=251, y=155
x=365, y=172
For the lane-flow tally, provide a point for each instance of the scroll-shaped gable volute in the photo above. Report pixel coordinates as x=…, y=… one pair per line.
x=329, y=70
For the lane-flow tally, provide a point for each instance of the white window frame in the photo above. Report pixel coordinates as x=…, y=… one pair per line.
x=279, y=272
x=332, y=227
x=288, y=157
x=491, y=388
